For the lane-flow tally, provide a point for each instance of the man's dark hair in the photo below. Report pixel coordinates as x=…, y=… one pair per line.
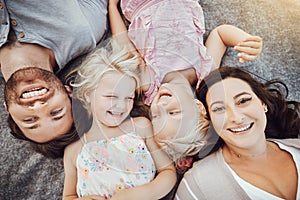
x=51, y=149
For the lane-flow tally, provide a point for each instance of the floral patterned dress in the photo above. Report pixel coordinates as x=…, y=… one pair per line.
x=105, y=166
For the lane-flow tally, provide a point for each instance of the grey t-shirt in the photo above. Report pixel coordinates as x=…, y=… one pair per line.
x=69, y=28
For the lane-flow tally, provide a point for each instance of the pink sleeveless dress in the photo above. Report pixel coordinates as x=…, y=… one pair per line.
x=169, y=36
x=106, y=166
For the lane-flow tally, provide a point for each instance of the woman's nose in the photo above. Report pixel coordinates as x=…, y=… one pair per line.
x=235, y=115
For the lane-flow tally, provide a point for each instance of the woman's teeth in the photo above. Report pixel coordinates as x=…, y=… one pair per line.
x=244, y=128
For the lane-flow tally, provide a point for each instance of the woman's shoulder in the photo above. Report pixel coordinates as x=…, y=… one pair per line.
x=294, y=142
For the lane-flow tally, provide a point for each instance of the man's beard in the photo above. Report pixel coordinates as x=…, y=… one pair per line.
x=29, y=76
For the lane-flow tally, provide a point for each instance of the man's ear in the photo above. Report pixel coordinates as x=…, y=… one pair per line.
x=200, y=107
x=5, y=107
x=69, y=90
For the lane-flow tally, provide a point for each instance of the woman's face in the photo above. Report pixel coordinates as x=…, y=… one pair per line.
x=174, y=111
x=237, y=114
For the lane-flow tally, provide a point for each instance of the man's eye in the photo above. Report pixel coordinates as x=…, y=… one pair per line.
x=56, y=112
x=30, y=119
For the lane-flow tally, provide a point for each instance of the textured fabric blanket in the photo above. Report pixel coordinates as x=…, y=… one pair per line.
x=25, y=174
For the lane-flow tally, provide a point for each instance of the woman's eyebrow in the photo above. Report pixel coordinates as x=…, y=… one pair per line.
x=240, y=94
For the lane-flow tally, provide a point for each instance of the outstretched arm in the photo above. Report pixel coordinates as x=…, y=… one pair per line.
x=120, y=34
x=166, y=178
x=118, y=27
x=221, y=37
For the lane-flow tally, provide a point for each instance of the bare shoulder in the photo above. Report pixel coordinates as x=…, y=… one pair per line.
x=143, y=126
x=72, y=150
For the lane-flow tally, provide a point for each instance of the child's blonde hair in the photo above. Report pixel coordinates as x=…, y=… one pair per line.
x=189, y=144
x=112, y=57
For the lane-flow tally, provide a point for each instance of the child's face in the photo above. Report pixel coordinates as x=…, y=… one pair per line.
x=174, y=111
x=236, y=112
x=112, y=101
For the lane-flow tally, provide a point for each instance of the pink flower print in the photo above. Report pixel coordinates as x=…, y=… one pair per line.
x=141, y=147
x=121, y=139
x=84, y=172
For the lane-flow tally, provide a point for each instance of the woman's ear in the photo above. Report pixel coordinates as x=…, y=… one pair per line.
x=265, y=107
x=69, y=91
x=200, y=107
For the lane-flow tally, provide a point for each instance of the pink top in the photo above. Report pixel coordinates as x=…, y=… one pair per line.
x=169, y=36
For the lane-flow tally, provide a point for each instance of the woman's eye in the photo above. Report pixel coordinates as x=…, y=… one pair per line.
x=244, y=100
x=56, y=112
x=218, y=109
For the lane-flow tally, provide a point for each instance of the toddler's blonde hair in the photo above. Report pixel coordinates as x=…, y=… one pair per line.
x=112, y=57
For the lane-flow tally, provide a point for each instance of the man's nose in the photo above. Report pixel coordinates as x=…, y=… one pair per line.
x=37, y=105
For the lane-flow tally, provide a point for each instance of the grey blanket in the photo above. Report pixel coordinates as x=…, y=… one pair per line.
x=25, y=174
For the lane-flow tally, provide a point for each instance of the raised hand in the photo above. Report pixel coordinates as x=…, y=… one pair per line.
x=249, y=49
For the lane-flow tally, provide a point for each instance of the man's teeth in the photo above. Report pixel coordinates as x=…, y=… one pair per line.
x=240, y=129
x=34, y=93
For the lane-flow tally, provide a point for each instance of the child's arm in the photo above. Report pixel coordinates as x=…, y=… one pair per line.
x=120, y=34
x=69, y=191
x=166, y=178
x=223, y=36
x=118, y=27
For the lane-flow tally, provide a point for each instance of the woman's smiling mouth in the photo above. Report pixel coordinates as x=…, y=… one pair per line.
x=241, y=128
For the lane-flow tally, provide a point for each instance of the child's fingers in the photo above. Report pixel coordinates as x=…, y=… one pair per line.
x=248, y=50
x=246, y=57
x=251, y=43
x=253, y=38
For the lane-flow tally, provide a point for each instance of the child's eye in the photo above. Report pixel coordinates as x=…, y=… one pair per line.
x=111, y=96
x=154, y=117
x=130, y=98
x=174, y=112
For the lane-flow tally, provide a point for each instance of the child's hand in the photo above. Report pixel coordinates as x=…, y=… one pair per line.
x=249, y=49
x=92, y=197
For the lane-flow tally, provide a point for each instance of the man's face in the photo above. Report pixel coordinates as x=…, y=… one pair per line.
x=39, y=104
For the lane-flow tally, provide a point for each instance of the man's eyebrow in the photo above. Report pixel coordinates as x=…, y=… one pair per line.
x=33, y=127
